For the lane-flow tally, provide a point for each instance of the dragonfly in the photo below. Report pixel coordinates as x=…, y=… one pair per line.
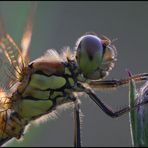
x=33, y=89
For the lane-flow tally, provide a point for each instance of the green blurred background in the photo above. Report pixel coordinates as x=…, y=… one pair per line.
x=59, y=24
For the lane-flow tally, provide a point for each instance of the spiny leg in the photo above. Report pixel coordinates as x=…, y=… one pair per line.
x=116, y=83
x=107, y=109
x=77, y=129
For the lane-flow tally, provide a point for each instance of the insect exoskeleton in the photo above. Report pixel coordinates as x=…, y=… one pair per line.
x=95, y=56
x=49, y=83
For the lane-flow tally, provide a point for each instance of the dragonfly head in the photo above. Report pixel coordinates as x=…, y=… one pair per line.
x=95, y=56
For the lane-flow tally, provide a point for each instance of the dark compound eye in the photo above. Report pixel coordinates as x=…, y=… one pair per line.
x=89, y=53
x=91, y=44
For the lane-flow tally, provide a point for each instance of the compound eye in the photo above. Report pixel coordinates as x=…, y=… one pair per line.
x=90, y=44
x=89, y=53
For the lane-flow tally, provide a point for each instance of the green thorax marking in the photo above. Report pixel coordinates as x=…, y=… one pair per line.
x=43, y=82
x=29, y=108
x=45, y=92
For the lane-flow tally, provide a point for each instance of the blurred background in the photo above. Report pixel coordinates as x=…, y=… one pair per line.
x=60, y=24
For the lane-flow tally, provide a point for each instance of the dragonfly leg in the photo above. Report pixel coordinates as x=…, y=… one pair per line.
x=105, y=108
x=116, y=83
x=77, y=129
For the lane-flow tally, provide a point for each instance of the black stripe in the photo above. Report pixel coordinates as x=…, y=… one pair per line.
x=104, y=50
x=32, y=98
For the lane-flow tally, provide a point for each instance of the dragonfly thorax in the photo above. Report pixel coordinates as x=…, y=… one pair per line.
x=47, y=86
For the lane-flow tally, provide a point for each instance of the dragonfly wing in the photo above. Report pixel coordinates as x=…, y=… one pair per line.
x=10, y=67
x=12, y=52
x=26, y=38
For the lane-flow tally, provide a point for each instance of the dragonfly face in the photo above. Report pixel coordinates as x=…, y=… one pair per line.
x=95, y=56
x=39, y=87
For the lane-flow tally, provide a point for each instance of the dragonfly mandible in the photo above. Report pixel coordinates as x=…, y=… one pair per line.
x=34, y=89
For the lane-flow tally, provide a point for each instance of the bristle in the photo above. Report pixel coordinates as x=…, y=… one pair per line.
x=67, y=54
x=50, y=55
